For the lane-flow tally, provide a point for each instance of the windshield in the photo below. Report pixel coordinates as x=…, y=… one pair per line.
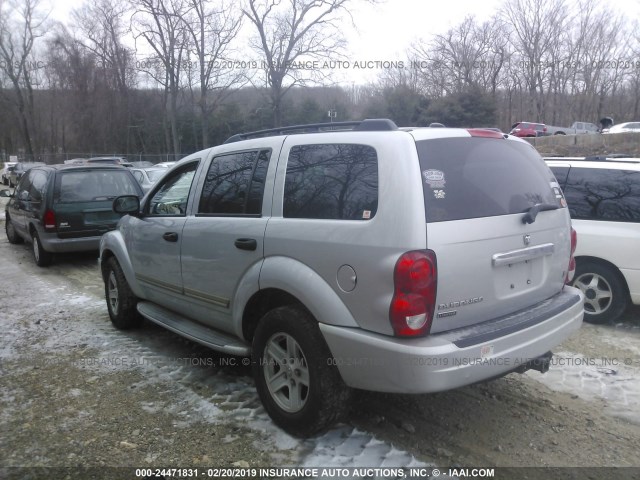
x=154, y=175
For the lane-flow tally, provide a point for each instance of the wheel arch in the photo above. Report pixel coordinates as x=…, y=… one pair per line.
x=112, y=245
x=285, y=281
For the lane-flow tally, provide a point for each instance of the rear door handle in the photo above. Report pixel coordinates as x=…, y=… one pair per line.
x=246, y=244
x=170, y=236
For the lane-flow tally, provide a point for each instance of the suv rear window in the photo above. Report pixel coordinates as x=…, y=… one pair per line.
x=93, y=185
x=482, y=177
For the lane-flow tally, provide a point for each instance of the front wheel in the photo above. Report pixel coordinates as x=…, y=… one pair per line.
x=121, y=302
x=41, y=256
x=298, y=384
x=605, y=293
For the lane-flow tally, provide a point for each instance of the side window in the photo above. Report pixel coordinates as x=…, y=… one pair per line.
x=235, y=184
x=171, y=197
x=38, y=182
x=331, y=181
x=138, y=175
x=599, y=194
x=24, y=185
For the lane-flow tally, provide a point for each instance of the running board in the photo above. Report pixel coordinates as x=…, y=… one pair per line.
x=197, y=332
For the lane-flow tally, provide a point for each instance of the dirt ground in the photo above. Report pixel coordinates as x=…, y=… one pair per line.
x=62, y=406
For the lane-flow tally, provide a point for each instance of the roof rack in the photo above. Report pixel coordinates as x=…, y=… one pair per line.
x=368, y=125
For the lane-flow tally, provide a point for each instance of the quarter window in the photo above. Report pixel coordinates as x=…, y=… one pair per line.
x=331, y=181
x=235, y=184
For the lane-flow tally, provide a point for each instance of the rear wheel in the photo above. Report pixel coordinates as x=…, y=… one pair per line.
x=10, y=230
x=121, y=302
x=606, y=296
x=41, y=256
x=299, y=386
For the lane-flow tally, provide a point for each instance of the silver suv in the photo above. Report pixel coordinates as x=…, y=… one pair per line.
x=352, y=255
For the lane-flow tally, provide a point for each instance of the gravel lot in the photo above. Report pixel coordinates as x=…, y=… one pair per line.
x=76, y=393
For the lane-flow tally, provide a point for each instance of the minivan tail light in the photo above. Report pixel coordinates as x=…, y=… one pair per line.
x=415, y=279
x=571, y=270
x=49, y=220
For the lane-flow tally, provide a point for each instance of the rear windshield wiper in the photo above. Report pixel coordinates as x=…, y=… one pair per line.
x=533, y=212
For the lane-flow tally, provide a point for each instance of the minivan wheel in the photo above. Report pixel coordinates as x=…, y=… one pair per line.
x=298, y=384
x=121, y=302
x=606, y=297
x=41, y=256
x=10, y=230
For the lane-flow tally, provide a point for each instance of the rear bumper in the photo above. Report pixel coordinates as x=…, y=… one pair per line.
x=52, y=243
x=452, y=359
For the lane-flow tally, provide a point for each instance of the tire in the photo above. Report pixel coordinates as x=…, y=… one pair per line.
x=319, y=398
x=40, y=255
x=121, y=302
x=10, y=230
x=606, y=296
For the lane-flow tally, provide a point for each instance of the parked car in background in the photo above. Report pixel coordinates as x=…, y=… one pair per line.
x=528, y=129
x=165, y=164
x=19, y=169
x=142, y=164
x=109, y=160
x=578, y=128
x=334, y=265
x=603, y=196
x=8, y=167
x=147, y=177
x=65, y=208
x=624, y=127
x=75, y=161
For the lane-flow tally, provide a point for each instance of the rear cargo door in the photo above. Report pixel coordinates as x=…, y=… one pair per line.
x=496, y=220
x=83, y=200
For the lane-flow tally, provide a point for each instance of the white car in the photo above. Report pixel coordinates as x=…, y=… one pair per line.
x=5, y=172
x=624, y=127
x=603, y=196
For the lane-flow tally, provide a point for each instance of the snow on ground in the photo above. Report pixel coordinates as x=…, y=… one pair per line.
x=79, y=323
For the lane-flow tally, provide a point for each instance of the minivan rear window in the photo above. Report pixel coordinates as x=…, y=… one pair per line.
x=93, y=185
x=482, y=177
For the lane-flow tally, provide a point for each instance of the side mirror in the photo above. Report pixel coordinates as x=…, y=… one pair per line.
x=127, y=204
x=6, y=193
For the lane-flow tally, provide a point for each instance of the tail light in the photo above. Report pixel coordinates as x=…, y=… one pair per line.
x=415, y=280
x=49, y=220
x=571, y=270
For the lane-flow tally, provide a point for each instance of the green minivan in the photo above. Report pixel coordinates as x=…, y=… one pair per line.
x=65, y=208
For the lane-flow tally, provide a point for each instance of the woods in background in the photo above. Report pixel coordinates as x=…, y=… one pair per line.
x=176, y=76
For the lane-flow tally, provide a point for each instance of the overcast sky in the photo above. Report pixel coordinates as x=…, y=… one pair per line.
x=383, y=32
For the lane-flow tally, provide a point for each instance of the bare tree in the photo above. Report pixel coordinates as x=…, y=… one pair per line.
x=212, y=29
x=160, y=24
x=536, y=27
x=102, y=26
x=293, y=31
x=470, y=55
x=21, y=24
